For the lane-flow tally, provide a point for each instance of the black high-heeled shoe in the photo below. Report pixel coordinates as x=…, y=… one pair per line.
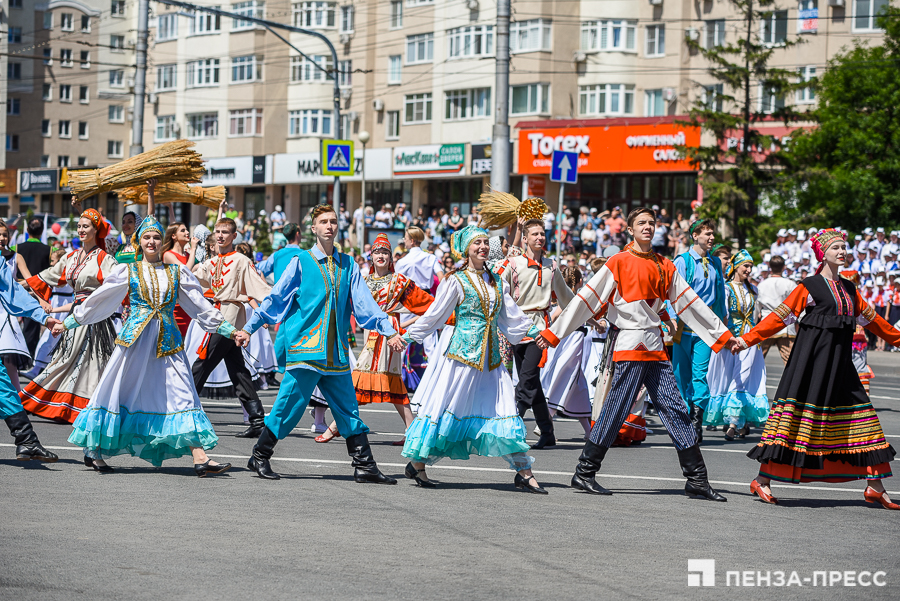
x=730, y=433
x=522, y=484
x=413, y=474
x=103, y=469
x=205, y=468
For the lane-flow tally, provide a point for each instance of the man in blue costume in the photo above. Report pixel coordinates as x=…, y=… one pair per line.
x=690, y=356
x=312, y=300
x=19, y=303
x=276, y=262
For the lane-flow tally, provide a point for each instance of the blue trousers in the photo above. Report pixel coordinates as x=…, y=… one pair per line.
x=10, y=403
x=293, y=398
x=657, y=377
x=690, y=358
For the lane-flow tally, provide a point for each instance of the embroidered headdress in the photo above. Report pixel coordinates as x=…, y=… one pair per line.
x=822, y=239
x=741, y=257
x=462, y=240
x=381, y=243
x=102, y=226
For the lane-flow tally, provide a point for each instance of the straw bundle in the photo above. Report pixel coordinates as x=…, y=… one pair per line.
x=501, y=209
x=172, y=161
x=210, y=198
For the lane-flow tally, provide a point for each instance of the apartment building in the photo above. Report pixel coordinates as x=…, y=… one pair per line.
x=607, y=78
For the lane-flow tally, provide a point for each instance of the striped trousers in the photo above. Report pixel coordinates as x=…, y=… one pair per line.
x=657, y=376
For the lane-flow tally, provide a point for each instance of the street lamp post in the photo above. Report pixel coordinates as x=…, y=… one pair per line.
x=363, y=138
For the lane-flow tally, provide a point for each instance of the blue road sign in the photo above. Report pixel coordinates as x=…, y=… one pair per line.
x=565, y=167
x=337, y=157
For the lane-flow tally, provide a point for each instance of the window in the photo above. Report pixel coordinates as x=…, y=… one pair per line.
x=66, y=22
x=530, y=99
x=712, y=97
x=12, y=143
x=65, y=57
x=117, y=43
x=14, y=36
x=62, y=160
x=82, y=130
x=527, y=36
x=306, y=70
x=419, y=2
x=85, y=59
x=606, y=99
x=246, y=68
x=14, y=70
x=396, y=14
x=48, y=56
x=85, y=24
x=15, y=3
x=166, y=77
x=118, y=8
x=392, y=132
x=82, y=161
x=316, y=15
x=203, y=73
x=468, y=104
x=205, y=125
x=345, y=72
x=808, y=94
x=48, y=20
x=65, y=129
x=395, y=69
x=165, y=128
x=245, y=122
x=609, y=35
x=477, y=40
x=13, y=106
x=206, y=23
x=774, y=27
x=769, y=102
x=864, y=13
x=65, y=93
x=715, y=33
x=654, y=103
x=45, y=160
x=166, y=27
x=348, y=14
x=114, y=149
x=309, y=122
x=117, y=78
x=84, y=94
x=116, y=113
x=419, y=48
x=656, y=40
x=45, y=128
x=48, y=92
x=247, y=9
x=418, y=108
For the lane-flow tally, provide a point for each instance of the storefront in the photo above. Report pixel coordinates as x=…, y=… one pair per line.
x=622, y=163
x=439, y=177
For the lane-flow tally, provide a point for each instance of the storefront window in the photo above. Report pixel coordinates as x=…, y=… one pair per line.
x=393, y=193
x=445, y=194
x=604, y=192
x=313, y=194
x=254, y=201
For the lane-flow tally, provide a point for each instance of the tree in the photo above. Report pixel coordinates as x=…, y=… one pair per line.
x=735, y=175
x=846, y=171
x=263, y=244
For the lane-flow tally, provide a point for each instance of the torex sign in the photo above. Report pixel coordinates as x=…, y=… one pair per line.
x=609, y=149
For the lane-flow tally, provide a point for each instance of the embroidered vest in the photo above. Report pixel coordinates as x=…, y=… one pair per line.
x=741, y=305
x=718, y=306
x=144, y=308
x=281, y=258
x=475, y=333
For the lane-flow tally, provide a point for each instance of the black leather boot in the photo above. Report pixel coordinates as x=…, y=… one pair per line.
x=545, y=423
x=588, y=465
x=262, y=452
x=696, y=415
x=695, y=471
x=364, y=467
x=28, y=447
x=257, y=419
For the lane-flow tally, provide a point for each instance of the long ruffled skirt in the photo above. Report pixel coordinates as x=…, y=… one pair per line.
x=737, y=389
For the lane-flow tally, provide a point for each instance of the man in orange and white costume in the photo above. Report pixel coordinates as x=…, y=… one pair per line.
x=636, y=283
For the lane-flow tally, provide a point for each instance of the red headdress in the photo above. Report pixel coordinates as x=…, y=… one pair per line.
x=101, y=224
x=382, y=243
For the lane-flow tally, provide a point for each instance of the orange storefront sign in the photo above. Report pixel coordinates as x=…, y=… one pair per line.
x=608, y=149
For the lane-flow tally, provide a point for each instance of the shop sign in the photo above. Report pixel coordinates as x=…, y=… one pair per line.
x=432, y=159
x=38, y=180
x=306, y=168
x=482, y=160
x=537, y=186
x=233, y=171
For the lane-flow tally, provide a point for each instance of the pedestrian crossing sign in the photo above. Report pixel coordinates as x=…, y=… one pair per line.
x=337, y=157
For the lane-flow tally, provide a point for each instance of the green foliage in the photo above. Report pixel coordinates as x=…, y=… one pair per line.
x=263, y=243
x=307, y=238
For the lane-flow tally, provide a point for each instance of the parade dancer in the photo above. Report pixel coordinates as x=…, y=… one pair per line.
x=312, y=301
x=823, y=427
x=231, y=280
x=534, y=280
x=60, y=306
x=377, y=377
x=13, y=348
x=14, y=300
x=636, y=283
x=65, y=386
x=145, y=404
x=690, y=355
x=737, y=383
x=466, y=397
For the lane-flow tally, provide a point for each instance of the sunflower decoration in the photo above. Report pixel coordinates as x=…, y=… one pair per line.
x=501, y=209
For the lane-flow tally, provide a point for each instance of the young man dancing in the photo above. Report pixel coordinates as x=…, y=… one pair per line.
x=313, y=299
x=636, y=283
x=533, y=281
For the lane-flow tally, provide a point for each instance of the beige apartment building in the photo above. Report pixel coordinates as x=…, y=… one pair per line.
x=606, y=78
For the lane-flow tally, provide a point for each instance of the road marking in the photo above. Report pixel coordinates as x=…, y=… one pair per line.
x=238, y=406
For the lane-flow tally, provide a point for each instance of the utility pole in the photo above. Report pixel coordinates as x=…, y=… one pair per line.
x=140, y=79
x=501, y=161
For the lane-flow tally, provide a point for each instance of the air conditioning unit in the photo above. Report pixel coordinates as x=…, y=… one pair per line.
x=130, y=83
x=354, y=116
x=345, y=38
x=692, y=33
x=378, y=104
x=656, y=2
x=153, y=98
x=668, y=94
x=346, y=93
x=472, y=4
x=835, y=2
x=579, y=56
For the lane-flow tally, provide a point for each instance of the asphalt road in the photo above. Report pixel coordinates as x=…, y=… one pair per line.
x=145, y=533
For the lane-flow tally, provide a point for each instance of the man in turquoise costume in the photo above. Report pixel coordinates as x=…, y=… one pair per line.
x=313, y=299
x=19, y=303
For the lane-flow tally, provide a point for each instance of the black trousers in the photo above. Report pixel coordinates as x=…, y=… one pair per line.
x=220, y=348
x=31, y=330
x=529, y=392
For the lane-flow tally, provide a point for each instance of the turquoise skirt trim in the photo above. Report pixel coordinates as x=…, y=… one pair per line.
x=738, y=408
x=458, y=438
x=154, y=437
